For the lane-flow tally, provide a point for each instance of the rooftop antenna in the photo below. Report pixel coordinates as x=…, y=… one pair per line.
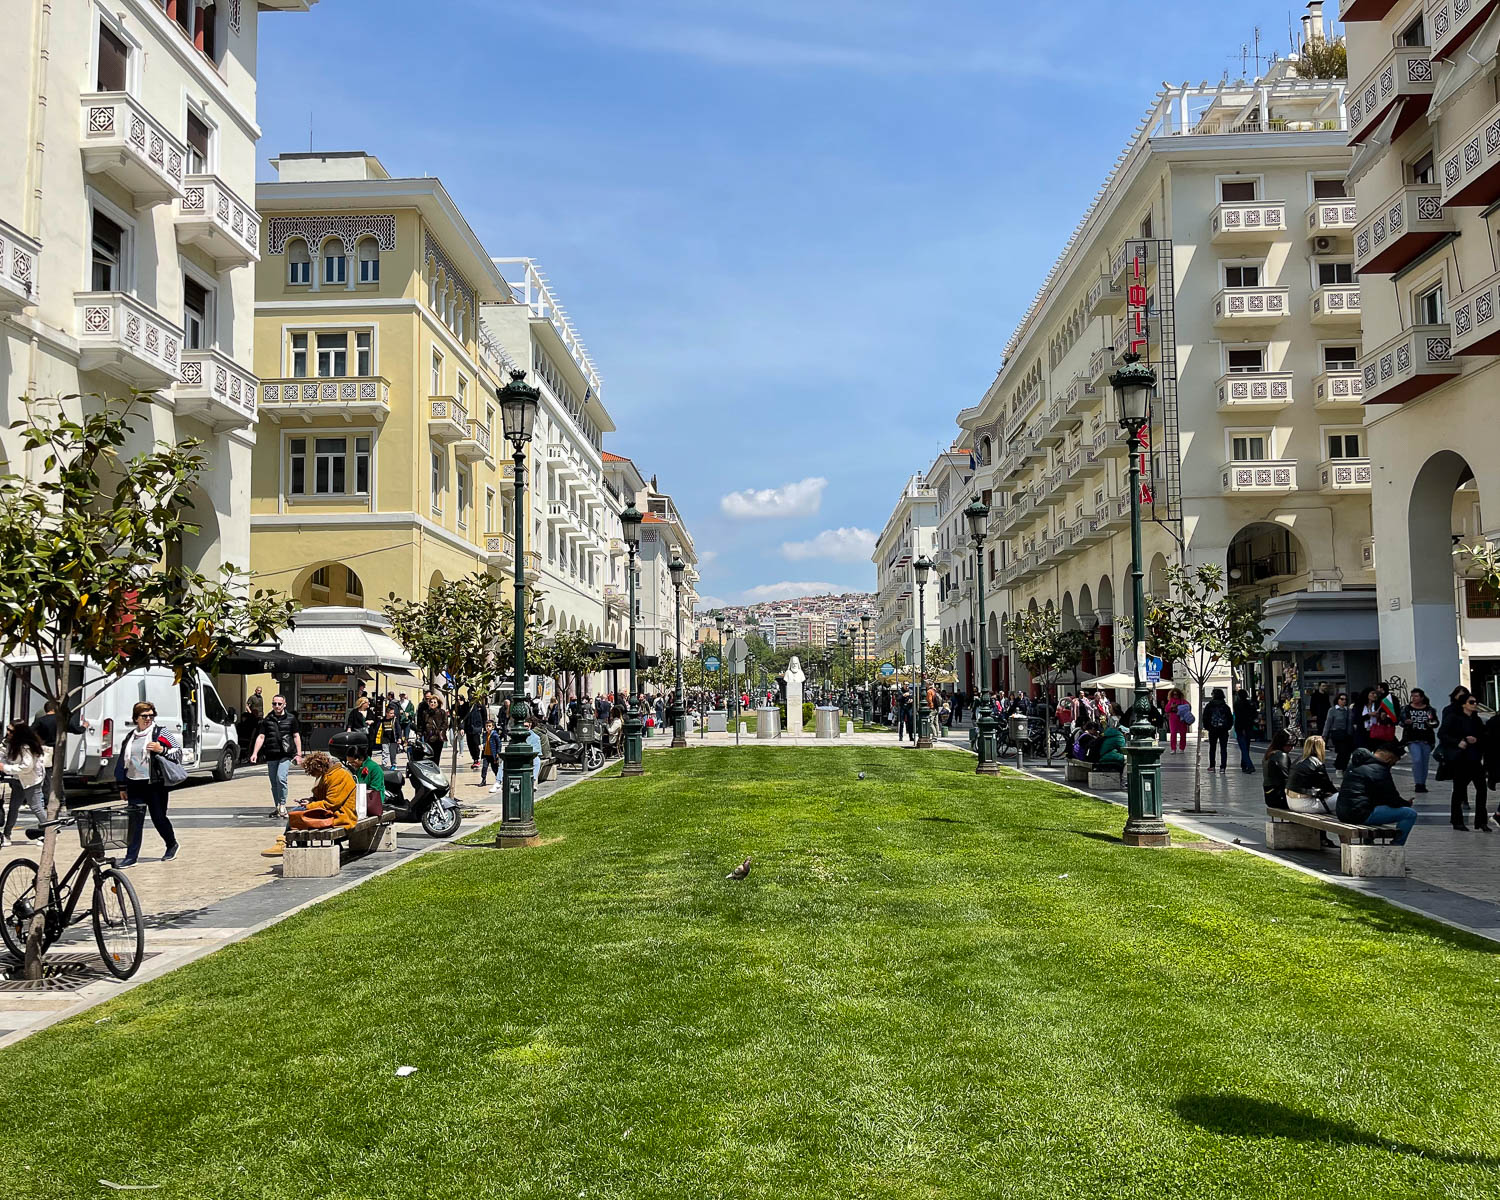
x=309, y=130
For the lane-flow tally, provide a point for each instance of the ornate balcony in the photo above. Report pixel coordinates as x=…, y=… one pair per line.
x=1110, y=442
x=1411, y=363
x=1106, y=298
x=1252, y=306
x=1115, y=513
x=447, y=419
x=20, y=263
x=560, y=462
x=211, y=216
x=1476, y=319
x=122, y=140
x=1072, y=472
x=1240, y=222
x=1093, y=459
x=1338, y=389
x=1336, y=304
x=501, y=549
x=1364, y=10
x=120, y=336
x=615, y=597
x=1081, y=397
x=475, y=447
x=362, y=397
x=1404, y=77
x=1450, y=22
x=1406, y=224
x=1122, y=263
x=1268, y=476
x=216, y=390
x=1470, y=167
x=1254, y=391
x=1101, y=363
x=1090, y=529
x=1339, y=475
x=1332, y=218
x=1050, y=432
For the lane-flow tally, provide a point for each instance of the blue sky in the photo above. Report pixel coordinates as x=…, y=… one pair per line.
x=794, y=234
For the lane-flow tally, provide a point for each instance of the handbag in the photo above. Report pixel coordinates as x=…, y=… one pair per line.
x=166, y=767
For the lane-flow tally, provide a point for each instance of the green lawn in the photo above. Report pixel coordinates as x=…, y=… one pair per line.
x=931, y=985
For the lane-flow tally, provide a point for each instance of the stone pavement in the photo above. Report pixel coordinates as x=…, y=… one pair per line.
x=217, y=891
x=1452, y=877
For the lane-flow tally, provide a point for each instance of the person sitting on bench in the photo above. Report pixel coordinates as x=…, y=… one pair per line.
x=1109, y=750
x=1308, y=787
x=365, y=769
x=332, y=803
x=1369, y=795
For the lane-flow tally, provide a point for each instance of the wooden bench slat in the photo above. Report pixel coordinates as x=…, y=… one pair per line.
x=1345, y=831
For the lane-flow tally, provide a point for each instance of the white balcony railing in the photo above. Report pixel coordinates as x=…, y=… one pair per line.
x=1336, y=304
x=1338, y=389
x=1242, y=221
x=1252, y=306
x=210, y=215
x=1271, y=475
x=1405, y=74
x=1344, y=475
x=1470, y=168
x=1449, y=22
x=1330, y=218
x=123, y=337
x=1476, y=319
x=364, y=396
x=20, y=265
x=1254, y=390
x=1407, y=223
x=216, y=390
x=1411, y=363
x=447, y=419
x=122, y=140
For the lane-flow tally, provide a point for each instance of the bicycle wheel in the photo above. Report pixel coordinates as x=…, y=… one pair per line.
x=17, y=904
x=117, y=924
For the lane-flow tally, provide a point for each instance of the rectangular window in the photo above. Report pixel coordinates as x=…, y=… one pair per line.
x=194, y=314
x=1231, y=190
x=1243, y=362
x=1422, y=169
x=333, y=355
x=1335, y=272
x=106, y=274
x=1244, y=276
x=1344, y=445
x=299, y=356
x=335, y=266
x=1340, y=358
x=463, y=499
x=198, y=134
x=113, y=72
x=362, y=466
x=437, y=482
x=330, y=457
x=1328, y=189
x=1414, y=34
x=1429, y=307
x=364, y=363
x=437, y=374
x=489, y=510
x=297, y=449
x=1249, y=447
x=463, y=392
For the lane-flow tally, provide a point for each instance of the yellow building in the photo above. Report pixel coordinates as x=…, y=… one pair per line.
x=380, y=463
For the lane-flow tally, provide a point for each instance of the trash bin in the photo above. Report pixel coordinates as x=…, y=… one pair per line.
x=1020, y=729
x=826, y=721
x=767, y=723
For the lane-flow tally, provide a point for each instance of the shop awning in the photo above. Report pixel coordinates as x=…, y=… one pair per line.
x=328, y=641
x=1114, y=680
x=1322, y=621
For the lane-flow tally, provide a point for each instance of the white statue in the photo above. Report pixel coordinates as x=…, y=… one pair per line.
x=794, y=678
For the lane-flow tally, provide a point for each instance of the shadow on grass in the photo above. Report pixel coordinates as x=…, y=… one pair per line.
x=946, y=820
x=1232, y=1115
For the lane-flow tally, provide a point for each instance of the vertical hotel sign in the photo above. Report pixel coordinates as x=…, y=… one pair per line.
x=1138, y=323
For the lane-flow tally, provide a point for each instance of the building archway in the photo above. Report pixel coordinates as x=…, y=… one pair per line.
x=1442, y=511
x=1158, y=584
x=328, y=585
x=1263, y=557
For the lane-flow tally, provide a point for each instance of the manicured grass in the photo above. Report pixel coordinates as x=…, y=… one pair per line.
x=930, y=985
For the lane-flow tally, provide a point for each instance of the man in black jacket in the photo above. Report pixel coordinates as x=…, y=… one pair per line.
x=1368, y=795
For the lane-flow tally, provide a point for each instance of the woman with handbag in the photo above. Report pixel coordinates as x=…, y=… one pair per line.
x=332, y=804
x=23, y=766
x=143, y=785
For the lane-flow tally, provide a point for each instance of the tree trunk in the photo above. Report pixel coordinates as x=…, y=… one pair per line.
x=32, y=968
x=1198, y=750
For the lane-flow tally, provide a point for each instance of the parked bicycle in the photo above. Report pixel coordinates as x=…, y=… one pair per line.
x=115, y=910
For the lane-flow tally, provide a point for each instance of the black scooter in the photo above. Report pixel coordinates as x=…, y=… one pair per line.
x=566, y=750
x=432, y=801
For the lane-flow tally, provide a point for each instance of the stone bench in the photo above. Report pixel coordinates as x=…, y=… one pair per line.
x=315, y=853
x=1077, y=771
x=1365, y=851
x=1107, y=779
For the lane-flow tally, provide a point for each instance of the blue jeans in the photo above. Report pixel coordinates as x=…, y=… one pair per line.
x=1421, y=755
x=1402, y=818
x=1243, y=737
x=278, y=769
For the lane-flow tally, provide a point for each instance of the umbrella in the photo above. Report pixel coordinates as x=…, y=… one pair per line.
x=1115, y=679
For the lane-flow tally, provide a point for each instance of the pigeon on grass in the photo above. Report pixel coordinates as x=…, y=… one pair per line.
x=741, y=871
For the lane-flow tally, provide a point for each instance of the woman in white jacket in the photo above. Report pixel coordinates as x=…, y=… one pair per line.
x=21, y=762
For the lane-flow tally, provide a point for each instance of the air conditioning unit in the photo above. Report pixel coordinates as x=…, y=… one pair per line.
x=1323, y=244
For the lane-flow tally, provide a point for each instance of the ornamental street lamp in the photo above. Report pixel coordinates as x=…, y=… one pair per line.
x=922, y=569
x=719, y=623
x=849, y=677
x=630, y=522
x=864, y=626
x=518, y=405
x=678, y=569
x=978, y=514
x=1133, y=385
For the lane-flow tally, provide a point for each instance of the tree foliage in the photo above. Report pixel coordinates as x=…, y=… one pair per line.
x=1073, y=646
x=88, y=573
x=1323, y=59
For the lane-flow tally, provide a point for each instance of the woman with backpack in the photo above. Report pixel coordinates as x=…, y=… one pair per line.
x=1218, y=719
x=140, y=784
x=1175, y=731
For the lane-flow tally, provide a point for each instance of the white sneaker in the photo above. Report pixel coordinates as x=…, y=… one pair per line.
x=496, y=788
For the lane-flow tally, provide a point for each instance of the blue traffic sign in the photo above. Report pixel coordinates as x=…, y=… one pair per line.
x=1153, y=669
x=887, y=670
x=710, y=664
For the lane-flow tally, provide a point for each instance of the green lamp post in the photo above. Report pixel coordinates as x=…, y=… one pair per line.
x=922, y=570
x=1133, y=386
x=864, y=628
x=677, y=568
x=518, y=405
x=978, y=515
x=630, y=523
x=849, y=678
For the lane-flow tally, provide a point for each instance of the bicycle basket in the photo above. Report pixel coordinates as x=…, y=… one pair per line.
x=103, y=829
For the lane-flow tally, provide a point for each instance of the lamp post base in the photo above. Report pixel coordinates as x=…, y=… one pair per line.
x=517, y=838
x=517, y=819
x=633, y=748
x=1144, y=827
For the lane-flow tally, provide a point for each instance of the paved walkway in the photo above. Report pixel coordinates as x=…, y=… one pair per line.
x=218, y=890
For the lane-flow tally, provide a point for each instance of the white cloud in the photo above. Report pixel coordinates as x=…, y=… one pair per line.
x=789, y=591
x=705, y=603
x=840, y=545
x=707, y=556
x=793, y=500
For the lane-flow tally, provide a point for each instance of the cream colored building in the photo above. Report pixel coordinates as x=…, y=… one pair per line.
x=950, y=478
x=1426, y=130
x=128, y=236
x=1221, y=248
x=907, y=536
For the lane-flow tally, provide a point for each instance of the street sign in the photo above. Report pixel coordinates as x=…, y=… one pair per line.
x=710, y=665
x=887, y=670
x=738, y=653
x=1153, y=670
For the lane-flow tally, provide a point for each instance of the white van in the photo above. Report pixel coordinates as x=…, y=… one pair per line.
x=192, y=709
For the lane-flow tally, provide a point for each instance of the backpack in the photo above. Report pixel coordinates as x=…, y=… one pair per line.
x=1185, y=715
x=1220, y=719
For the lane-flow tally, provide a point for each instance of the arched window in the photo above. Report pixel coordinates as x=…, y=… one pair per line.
x=984, y=452
x=335, y=262
x=298, y=262
x=353, y=588
x=369, y=261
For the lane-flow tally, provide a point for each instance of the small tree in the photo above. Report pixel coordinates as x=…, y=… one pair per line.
x=1035, y=635
x=87, y=580
x=1073, y=646
x=1203, y=628
x=570, y=657
x=1322, y=59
